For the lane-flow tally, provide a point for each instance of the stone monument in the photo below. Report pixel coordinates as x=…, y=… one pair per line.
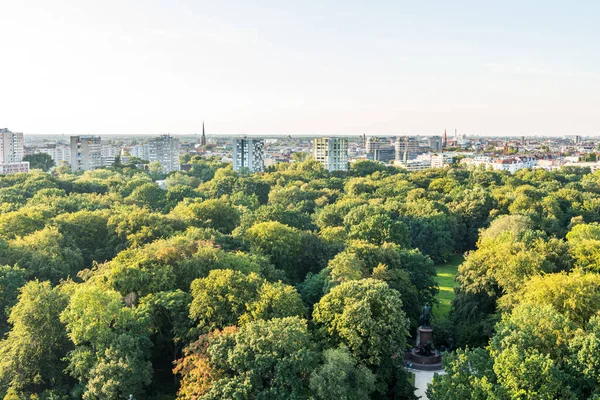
x=424, y=355
x=424, y=332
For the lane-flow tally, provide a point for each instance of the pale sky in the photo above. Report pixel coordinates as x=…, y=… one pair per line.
x=307, y=66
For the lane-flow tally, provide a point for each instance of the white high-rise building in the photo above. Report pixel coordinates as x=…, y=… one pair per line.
x=249, y=154
x=332, y=152
x=165, y=150
x=12, y=151
x=11, y=147
x=86, y=153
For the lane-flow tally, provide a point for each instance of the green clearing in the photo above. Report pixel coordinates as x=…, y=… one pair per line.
x=445, y=280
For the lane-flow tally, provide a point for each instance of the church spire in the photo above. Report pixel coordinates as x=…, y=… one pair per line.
x=203, y=138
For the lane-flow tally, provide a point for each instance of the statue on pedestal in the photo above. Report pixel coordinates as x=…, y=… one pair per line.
x=424, y=354
x=425, y=318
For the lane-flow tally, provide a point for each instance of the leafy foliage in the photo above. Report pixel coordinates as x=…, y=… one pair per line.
x=295, y=283
x=264, y=359
x=32, y=353
x=111, y=354
x=41, y=161
x=340, y=377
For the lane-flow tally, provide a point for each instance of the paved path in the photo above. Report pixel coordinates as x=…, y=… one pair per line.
x=422, y=379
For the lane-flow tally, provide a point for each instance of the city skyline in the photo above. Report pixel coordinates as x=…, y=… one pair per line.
x=307, y=136
x=508, y=69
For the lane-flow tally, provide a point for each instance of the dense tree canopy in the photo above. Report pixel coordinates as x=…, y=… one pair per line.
x=262, y=360
x=296, y=283
x=341, y=377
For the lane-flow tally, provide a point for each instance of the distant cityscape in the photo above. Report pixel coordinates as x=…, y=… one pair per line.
x=336, y=153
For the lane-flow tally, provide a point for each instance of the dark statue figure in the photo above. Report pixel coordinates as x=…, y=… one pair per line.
x=425, y=318
x=427, y=350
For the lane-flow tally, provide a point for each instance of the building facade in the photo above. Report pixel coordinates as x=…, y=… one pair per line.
x=510, y=164
x=140, y=151
x=109, y=154
x=436, y=160
x=249, y=154
x=513, y=164
x=407, y=148
x=57, y=152
x=380, y=149
x=14, y=168
x=414, y=165
x=593, y=166
x=12, y=147
x=12, y=150
x=86, y=153
x=165, y=150
x=435, y=143
x=332, y=153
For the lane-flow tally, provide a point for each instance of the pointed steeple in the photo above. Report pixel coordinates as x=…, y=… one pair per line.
x=203, y=138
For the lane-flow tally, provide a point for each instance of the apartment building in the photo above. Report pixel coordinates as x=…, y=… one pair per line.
x=165, y=150
x=12, y=151
x=248, y=154
x=86, y=153
x=332, y=153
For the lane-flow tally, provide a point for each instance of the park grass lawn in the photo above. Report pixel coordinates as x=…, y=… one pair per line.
x=445, y=280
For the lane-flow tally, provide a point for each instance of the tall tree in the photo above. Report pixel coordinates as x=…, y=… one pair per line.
x=111, y=355
x=366, y=316
x=227, y=297
x=289, y=249
x=11, y=280
x=341, y=377
x=263, y=360
x=31, y=355
x=41, y=161
x=212, y=213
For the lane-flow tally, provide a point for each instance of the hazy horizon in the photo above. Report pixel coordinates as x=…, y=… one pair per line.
x=114, y=68
x=299, y=135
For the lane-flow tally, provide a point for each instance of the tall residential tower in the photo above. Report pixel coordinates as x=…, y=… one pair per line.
x=165, y=150
x=86, y=153
x=248, y=154
x=11, y=152
x=332, y=152
x=11, y=147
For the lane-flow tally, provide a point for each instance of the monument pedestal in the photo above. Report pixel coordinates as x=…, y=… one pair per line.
x=424, y=335
x=424, y=356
